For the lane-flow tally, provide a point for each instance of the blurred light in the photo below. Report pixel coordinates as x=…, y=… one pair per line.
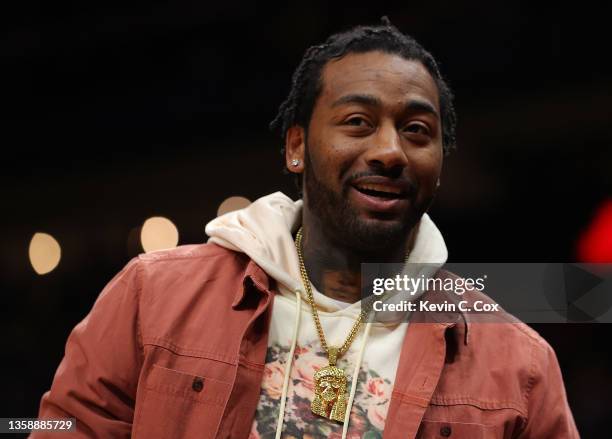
x=158, y=233
x=595, y=244
x=231, y=204
x=45, y=253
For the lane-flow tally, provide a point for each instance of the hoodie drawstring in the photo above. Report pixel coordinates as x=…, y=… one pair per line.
x=283, y=400
x=296, y=327
x=349, y=405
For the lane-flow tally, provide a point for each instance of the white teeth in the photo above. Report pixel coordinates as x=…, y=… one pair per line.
x=380, y=188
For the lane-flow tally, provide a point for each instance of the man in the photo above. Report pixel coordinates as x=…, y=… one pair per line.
x=261, y=332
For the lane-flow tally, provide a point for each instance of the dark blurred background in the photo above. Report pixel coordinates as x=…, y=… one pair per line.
x=115, y=113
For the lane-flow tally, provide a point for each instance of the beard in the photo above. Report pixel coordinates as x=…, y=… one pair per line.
x=342, y=224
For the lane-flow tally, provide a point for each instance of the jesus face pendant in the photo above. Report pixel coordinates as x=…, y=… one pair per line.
x=330, y=393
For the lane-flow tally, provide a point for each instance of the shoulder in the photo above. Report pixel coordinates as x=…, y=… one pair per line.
x=494, y=321
x=187, y=260
x=502, y=335
x=178, y=275
x=499, y=358
x=186, y=252
x=179, y=286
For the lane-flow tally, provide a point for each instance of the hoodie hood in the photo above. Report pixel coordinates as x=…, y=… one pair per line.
x=264, y=232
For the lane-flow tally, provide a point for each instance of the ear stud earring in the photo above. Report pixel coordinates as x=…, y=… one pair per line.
x=295, y=162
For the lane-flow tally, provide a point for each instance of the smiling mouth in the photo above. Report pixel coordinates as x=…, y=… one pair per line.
x=380, y=191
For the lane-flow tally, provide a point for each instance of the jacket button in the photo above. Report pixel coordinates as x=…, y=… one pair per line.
x=445, y=431
x=198, y=384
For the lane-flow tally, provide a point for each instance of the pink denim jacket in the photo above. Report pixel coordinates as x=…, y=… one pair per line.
x=175, y=346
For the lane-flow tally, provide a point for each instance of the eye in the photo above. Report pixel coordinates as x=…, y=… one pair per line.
x=417, y=128
x=357, y=121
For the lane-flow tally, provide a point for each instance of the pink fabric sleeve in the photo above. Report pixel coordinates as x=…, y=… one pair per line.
x=549, y=412
x=96, y=380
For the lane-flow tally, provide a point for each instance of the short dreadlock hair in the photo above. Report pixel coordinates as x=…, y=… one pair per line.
x=306, y=84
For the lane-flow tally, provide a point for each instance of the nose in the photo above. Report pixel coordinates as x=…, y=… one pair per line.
x=386, y=152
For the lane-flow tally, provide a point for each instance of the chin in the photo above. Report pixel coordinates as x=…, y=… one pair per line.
x=374, y=234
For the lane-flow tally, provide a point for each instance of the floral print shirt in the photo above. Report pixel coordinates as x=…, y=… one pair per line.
x=374, y=383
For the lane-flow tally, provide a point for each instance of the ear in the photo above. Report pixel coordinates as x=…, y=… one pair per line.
x=294, y=149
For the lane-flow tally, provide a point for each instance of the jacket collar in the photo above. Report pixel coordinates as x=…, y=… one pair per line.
x=449, y=318
x=452, y=319
x=253, y=275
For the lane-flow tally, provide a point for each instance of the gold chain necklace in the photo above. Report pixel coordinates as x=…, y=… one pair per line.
x=329, y=382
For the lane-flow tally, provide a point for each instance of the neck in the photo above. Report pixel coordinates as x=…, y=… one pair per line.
x=334, y=269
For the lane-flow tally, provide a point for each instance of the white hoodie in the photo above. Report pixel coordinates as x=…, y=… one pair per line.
x=264, y=231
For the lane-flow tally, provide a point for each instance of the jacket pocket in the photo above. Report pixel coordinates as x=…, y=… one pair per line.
x=177, y=404
x=454, y=430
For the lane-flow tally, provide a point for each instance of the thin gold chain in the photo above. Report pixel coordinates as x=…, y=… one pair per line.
x=315, y=314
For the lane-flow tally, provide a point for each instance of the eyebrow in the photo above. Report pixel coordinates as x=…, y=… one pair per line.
x=413, y=106
x=363, y=99
x=417, y=106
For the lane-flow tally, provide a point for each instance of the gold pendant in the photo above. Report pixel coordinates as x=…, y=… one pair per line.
x=330, y=390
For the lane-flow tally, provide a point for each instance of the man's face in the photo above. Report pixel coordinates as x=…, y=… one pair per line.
x=373, y=153
x=328, y=388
